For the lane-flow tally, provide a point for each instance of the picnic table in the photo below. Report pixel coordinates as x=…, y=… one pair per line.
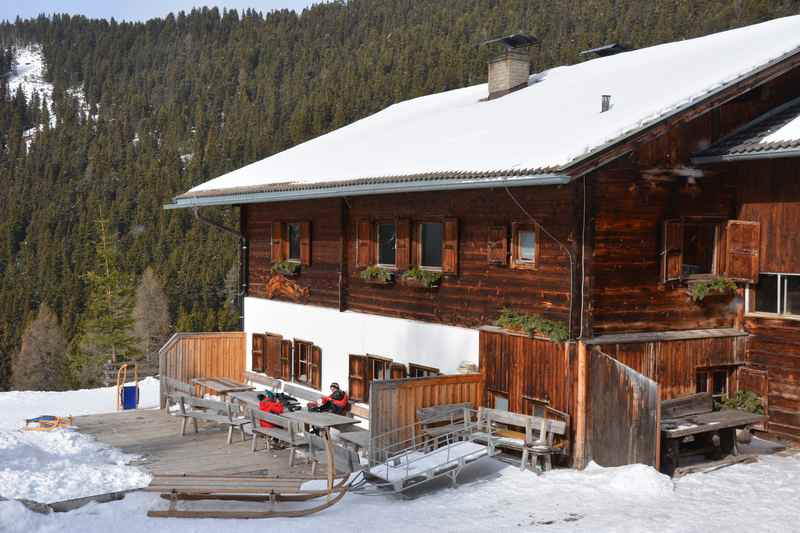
x=357, y=439
x=690, y=423
x=249, y=398
x=222, y=386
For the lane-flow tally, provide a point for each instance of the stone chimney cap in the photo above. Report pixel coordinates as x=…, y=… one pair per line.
x=516, y=40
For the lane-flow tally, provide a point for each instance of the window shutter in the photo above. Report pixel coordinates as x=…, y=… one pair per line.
x=403, y=236
x=742, y=247
x=315, y=367
x=358, y=378
x=363, y=243
x=498, y=245
x=278, y=236
x=398, y=371
x=305, y=243
x=286, y=360
x=450, y=246
x=272, y=354
x=258, y=352
x=672, y=253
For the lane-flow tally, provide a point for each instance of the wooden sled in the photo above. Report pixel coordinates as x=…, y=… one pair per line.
x=268, y=490
x=47, y=423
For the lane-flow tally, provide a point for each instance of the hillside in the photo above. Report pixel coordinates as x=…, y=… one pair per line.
x=132, y=113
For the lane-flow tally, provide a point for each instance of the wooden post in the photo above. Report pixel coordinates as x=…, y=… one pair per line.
x=580, y=416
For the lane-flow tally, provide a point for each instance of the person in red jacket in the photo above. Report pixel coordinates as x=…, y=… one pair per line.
x=337, y=402
x=269, y=404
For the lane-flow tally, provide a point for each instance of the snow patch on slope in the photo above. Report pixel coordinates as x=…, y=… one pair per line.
x=28, y=73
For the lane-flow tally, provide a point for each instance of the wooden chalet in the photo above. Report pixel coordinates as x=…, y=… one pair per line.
x=604, y=215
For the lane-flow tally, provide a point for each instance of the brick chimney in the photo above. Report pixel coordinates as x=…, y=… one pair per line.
x=509, y=71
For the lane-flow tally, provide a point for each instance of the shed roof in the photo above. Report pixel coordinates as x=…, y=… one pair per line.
x=773, y=134
x=458, y=139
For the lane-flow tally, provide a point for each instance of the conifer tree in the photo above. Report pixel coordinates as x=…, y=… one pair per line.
x=40, y=363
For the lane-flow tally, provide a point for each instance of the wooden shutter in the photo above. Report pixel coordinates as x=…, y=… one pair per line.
x=398, y=371
x=305, y=243
x=278, y=238
x=752, y=379
x=672, y=252
x=363, y=243
x=741, y=250
x=315, y=368
x=286, y=360
x=258, y=352
x=497, y=253
x=450, y=246
x=272, y=354
x=358, y=378
x=403, y=237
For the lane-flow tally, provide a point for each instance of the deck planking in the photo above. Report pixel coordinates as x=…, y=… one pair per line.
x=154, y=436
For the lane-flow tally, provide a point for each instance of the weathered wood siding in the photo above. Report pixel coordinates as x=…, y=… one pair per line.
x=488, y=288
x=394, y=403
x=774, y=346
x=187, y=356
x=673, y=364
x=528, y=370
x=623, y=414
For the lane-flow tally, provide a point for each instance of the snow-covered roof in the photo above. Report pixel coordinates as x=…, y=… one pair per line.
x=534, y=135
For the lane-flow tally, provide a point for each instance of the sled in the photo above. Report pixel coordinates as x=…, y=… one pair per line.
x=47, y=423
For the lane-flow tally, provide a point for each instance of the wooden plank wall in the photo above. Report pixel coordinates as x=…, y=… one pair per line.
x=774, y=346
x=193, y=355
x=673, y=364
x=527, y=369
x=488, y=288
x=394, y=403
x=623, y=414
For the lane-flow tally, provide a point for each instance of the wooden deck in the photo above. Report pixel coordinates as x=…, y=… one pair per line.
x=154, y=436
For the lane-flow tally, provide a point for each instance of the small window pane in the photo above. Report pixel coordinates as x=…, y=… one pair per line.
x=720, y=383
x=527, y=246
x=698, y=248
x=500, y=402
x=294, y=241
x=387, y=244
x=432, y=234
x=702, y=382
x=792, y=295
x=767, y=293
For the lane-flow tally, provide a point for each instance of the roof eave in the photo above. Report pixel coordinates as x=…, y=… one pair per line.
x=187, y=201
x=753, y=156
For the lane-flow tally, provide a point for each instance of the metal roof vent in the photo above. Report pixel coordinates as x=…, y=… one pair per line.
x=510, y=70
x=607, y=50
x=605, y=103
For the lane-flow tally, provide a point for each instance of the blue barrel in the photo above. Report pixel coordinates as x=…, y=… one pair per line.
x=130, y=394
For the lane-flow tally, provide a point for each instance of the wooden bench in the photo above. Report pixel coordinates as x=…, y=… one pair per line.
x=285, y=430
x=690, y=426
x=344, y=460
x=536, y=442
x=437, y=421
x=301, y=392
x=211, y=411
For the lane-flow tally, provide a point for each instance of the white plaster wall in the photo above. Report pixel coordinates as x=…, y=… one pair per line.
x=342, y=333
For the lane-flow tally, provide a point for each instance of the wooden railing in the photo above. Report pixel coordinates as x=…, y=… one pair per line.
x=187, y=356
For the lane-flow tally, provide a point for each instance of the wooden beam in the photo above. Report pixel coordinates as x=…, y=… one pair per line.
x=580, y=418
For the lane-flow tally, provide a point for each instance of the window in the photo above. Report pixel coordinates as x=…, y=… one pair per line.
x=294, y=241
x=500, y=401
x=777, y=294
x=307, y=364
x=714, y=380
x=420, y=371
x=699, y=245
x=525, y=245
x=387, y=244
x=432, y=240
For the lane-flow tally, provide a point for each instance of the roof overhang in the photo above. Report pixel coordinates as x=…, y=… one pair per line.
x=208, y=198
x=732, y=158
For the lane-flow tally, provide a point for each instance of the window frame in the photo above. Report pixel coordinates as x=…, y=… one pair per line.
x=751, y=292
x=714, y=253
x=720, y=225
x=297, y=363
x=377, y=229
x=422, y=371
x=420, y=246
x=710, y=372
x=516, y=261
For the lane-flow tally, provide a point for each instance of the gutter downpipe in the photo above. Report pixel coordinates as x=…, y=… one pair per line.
x=563, y=247
x=242, y=281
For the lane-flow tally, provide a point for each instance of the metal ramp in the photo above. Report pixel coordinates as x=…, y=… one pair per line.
x=408, y=462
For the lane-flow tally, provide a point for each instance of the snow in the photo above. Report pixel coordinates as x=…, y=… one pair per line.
x=553, y=122
x=416, y=463
x=28, y=73
x=788, y=132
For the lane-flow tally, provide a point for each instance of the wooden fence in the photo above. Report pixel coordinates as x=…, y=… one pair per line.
x=187, y=356
x=394, y=403
x=623, y=414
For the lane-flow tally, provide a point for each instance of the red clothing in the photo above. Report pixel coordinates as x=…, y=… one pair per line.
x=269, y=406
x=341, y=404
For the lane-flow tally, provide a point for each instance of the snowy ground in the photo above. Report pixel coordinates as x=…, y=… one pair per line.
x=46, y=466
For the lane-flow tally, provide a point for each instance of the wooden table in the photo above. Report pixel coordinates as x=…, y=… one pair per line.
x=713, y=431
x=248, y=397
x=324, y=422
x=222, y=386
x=359, y=439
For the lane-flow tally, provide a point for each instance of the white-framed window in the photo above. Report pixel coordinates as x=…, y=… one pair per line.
x=775, y=293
